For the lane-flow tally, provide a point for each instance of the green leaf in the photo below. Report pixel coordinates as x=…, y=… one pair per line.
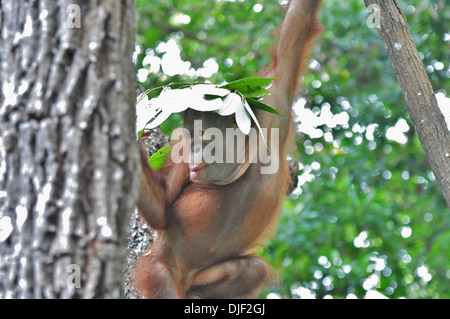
x=209, y=97
x=257, y=93
x=172, y=122
x=264, y=107
x=140, y=133
x=250, y=87
x=158, y=159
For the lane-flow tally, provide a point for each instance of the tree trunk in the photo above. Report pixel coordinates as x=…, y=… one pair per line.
x=416, y=87
x=68, y=156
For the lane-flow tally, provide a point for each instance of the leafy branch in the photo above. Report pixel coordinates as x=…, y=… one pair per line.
x=236, y=98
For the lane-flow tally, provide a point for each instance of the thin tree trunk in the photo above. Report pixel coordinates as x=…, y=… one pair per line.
x=416, y=87
x=67, y=147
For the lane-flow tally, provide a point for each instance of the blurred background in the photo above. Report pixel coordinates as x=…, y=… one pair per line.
x=367, y=218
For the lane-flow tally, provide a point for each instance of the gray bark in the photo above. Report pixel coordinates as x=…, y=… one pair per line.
x=68, y=156
x=420, y=100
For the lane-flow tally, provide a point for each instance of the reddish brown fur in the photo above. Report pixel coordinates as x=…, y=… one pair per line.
x=310, y=30
x=208, y=234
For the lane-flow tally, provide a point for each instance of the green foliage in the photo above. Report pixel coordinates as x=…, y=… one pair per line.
x=262, y=106
x=158, y=159
x=250, y=87
x=368, y=213
x=253, y=89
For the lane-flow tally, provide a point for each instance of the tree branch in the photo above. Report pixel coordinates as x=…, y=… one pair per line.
x=417, y=90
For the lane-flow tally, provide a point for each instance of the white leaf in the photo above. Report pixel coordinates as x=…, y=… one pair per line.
x=230, y=104
x=243, y=120
x=209, y=89
x=146, y=110
x=158, y=109
x=198, y=103
x=197, y=99
x=142, y=108
x=142, y=101
x=174, y=100
x=250, y=111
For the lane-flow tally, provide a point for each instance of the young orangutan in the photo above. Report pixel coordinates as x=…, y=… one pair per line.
x=211, y=217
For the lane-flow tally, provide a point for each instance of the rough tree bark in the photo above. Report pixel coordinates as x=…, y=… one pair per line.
x=420, y=100
x=68, y=156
